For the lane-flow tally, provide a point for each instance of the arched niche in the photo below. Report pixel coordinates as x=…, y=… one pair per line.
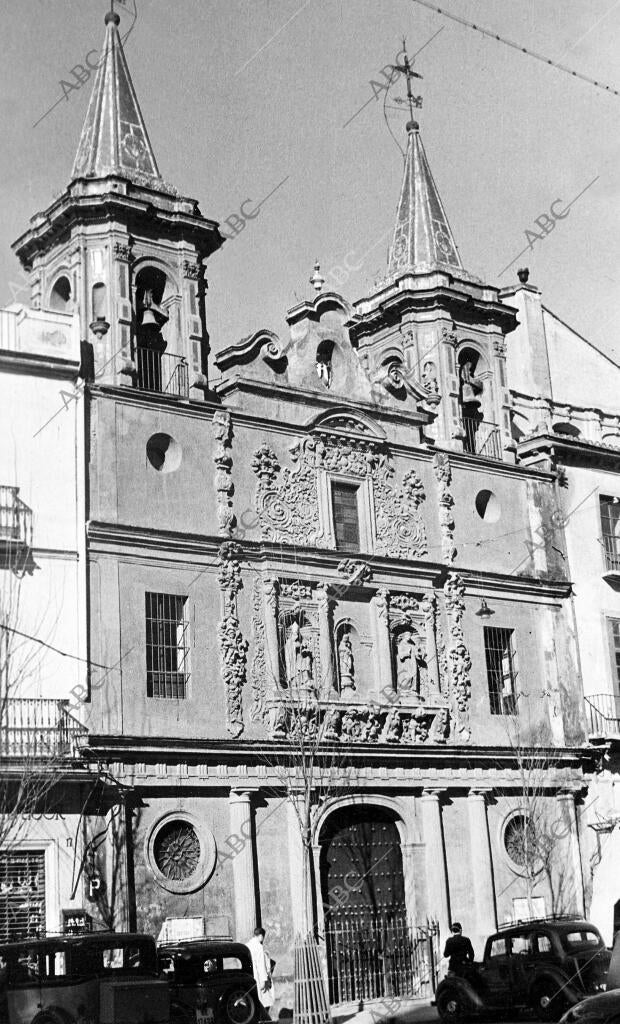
x=352, y=661
x=155, y=288
x=409, y=660
x=61, y=296
x=324, y=356
x=98, y=301
x=298, y=651
x=475, y=391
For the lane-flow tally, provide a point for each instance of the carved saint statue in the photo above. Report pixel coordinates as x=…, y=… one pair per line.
x=406, y=668
x=471, y=387
x=297, y=658
x=345, y=661
x=429, y=378
x=324, y=370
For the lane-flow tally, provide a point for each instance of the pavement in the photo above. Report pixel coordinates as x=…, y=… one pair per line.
x=386, y=1011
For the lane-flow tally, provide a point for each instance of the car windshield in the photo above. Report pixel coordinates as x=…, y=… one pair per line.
x=581, y=938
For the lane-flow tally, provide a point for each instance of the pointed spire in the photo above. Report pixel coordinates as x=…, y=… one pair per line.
x=114, y=138
x=423, y=239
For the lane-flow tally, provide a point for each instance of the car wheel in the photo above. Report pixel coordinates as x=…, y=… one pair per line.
x=239, y=1007
x=548, y=1000
x=53, y=1016
x=451, y=1006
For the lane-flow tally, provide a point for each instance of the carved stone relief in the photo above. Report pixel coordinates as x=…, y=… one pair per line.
x=222, y=432
x=288, y=508
x=233, y=647
x=459, y=660
x=361, y=723
x=443, y=475
x=258, y=670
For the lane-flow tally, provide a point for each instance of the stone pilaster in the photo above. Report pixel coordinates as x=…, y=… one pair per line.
x=481, y=864
x=244, y=880
x=272, y=658
x=327, y=682
x=438, y=898
x=566, y=804
x=383, y=654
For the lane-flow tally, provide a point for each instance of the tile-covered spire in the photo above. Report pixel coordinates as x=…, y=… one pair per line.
x=114, y=138
x=423, y=239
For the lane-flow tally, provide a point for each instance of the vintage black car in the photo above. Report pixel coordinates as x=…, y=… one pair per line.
x=603, y=1008
x=545, y=966
x=211, y=982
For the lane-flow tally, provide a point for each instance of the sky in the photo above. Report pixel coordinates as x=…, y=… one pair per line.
x=244, y=97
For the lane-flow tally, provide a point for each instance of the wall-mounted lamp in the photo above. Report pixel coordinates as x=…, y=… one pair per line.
x=484, y=611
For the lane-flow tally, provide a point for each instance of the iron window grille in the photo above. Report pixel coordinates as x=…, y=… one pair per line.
x=346, y=517
x=610, y=523
x=22, y=895
x=613, y=627
x=167, y=646
x=501, y=670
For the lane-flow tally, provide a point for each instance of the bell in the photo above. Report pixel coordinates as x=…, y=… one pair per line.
x=153, y=317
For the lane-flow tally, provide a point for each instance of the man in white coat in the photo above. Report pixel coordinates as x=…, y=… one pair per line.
x=261, y=966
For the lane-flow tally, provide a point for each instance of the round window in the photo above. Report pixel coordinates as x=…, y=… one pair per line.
x=521, y=843
x=487, y=506
x=181, y=853
x=164, y=453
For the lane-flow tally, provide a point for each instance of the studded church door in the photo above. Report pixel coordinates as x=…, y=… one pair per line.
x=363, y=892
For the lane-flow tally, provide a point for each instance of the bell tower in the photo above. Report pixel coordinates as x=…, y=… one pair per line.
x=432, y=323
x=124, y=248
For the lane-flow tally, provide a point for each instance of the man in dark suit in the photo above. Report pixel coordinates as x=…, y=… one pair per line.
x=459, y=949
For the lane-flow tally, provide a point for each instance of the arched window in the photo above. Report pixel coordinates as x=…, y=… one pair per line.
x=60, y=295
x=99, y=301
x=324, y=353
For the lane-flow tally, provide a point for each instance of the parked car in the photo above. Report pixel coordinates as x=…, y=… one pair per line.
x=545, y=966
x=211, y=982
x=96, y=978
x=603, y=1008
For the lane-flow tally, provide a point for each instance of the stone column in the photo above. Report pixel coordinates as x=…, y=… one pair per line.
x=297, y=854
x=438, y=902
x=408, y=855
x=429, y=608
x=244, y=880
x=566, y=804
x=272, y=657
x=327, y=682
x=383, y=654
x=482, y=864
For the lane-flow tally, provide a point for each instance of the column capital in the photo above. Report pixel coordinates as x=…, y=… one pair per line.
x=433, y=793
x=240, y=796
x=475, y=792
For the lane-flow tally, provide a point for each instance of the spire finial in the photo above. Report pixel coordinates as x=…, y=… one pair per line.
x=317, y=280
x=406, y=68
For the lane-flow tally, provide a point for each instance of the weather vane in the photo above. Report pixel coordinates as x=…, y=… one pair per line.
x=406, y=69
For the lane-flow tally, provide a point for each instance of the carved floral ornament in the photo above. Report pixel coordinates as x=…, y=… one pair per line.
x=287, y=501
x=233, y=647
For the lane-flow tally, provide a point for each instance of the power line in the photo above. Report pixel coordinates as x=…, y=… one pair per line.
x=516, y=46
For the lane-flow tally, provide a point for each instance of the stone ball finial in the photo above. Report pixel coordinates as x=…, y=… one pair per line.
x=523, y=274
x=112, y=16
x=413, y=126
x=317, y=280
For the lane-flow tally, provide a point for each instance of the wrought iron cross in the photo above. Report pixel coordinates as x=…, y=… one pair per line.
x=406, y=69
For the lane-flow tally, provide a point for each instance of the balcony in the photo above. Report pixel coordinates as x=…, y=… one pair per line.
x=481, y=437
x=15, y=531
x=38, y=729
x=162, y=373
x=603, y=711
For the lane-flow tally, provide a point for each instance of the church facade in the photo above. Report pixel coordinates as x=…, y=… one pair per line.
x=341, y=556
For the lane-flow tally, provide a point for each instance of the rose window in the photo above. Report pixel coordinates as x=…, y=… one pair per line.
x=520, y=841
x=176, y=850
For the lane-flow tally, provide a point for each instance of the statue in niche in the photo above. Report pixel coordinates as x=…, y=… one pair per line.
x=393, y=726
x=429, y=378
x=345, y=662
x=297, y=658
x=332, y=724
x=411, y=671
x=324, y=362
x=471, y=387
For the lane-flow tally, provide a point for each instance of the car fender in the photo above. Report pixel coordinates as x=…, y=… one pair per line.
x=572, y=993
x=464, y=988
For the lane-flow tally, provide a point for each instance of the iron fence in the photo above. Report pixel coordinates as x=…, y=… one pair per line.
x=481, y=438
x=37, y=728
x=603, y=714
x=375, y=958
x=162, y=372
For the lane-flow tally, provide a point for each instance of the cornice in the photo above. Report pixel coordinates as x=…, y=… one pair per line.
x=571, y=449
x=127, y=395
x=37, y=365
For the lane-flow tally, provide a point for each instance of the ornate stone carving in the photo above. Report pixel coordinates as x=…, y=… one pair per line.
x=288, y=508
x=352, y=723
x=382, y=604
x=191, y=270
x=448, y=335
x=459, y=660
x=123, y=251
x=258, y=670
x=400, y=529
x=346, y=664
x=354, y=571
x=296, y=591
x=233, y=647
x=443, y=475
x=222, y=432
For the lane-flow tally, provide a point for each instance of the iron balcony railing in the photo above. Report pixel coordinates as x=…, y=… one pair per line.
x=611, y=546
x=481, y=438
x=162, y=372
x=38, y=728
x=603, y=711
x=15, y=518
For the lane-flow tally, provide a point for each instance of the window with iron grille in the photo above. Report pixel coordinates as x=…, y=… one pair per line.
x=501, y=670
x=613, y=628
x=610, y=523
x=22, y=895
x=167, y=646
x=346, y=517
